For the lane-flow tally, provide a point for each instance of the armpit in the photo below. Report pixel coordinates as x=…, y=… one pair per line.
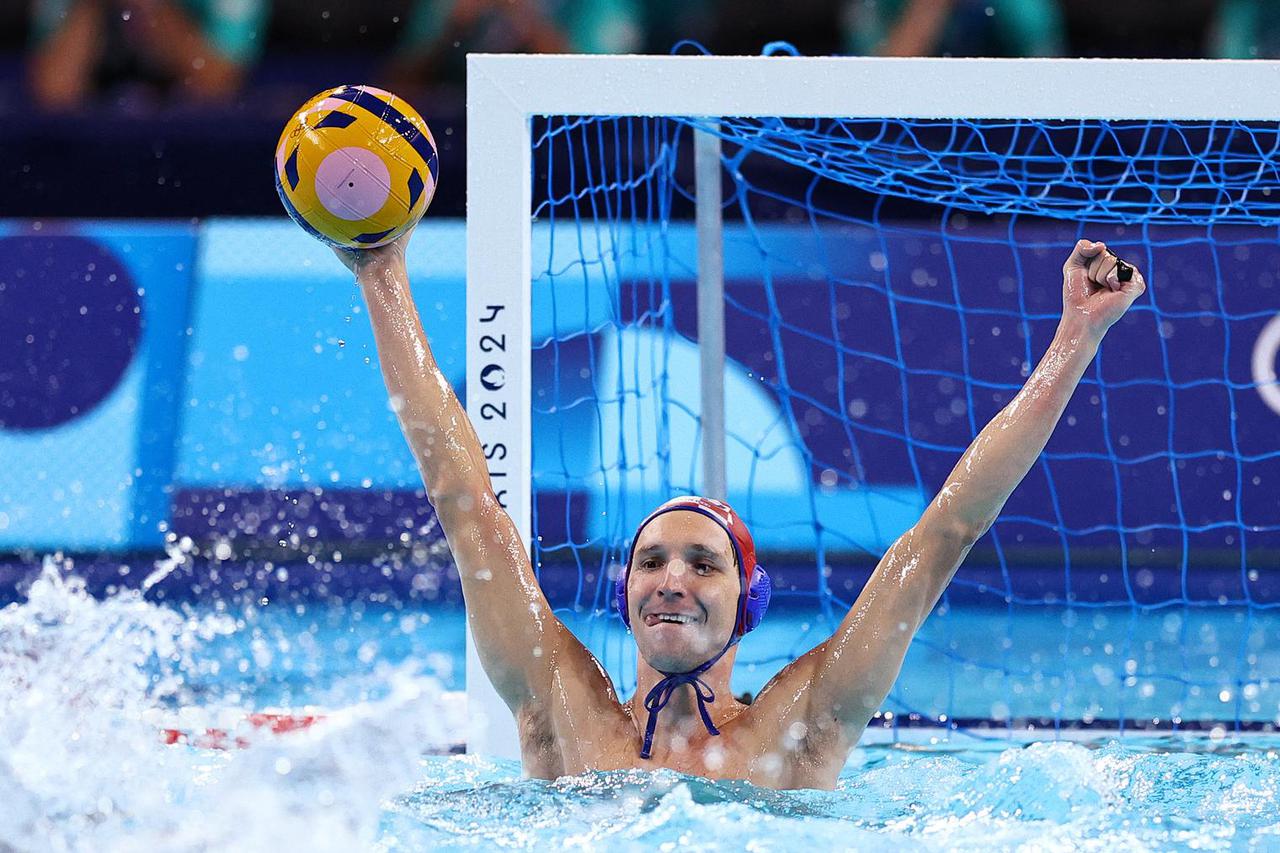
x=815, y=740
x=537, y=733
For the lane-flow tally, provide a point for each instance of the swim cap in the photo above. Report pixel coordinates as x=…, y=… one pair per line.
x=753, y=599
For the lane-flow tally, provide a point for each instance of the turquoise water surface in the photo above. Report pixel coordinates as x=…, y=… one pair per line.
x=1046, y=796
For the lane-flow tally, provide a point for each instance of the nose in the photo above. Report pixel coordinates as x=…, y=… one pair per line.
x=672, y=582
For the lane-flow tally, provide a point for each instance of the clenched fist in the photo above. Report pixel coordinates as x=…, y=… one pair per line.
x=1098, y=287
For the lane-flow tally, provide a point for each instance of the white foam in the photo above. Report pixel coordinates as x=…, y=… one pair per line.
x=86, y=685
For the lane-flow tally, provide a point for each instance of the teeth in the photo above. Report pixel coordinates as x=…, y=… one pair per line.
x=672, y=617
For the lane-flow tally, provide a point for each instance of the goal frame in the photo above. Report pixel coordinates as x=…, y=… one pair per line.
x=504, y=93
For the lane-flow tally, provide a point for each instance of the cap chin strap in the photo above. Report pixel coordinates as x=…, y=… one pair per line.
x=661, y=694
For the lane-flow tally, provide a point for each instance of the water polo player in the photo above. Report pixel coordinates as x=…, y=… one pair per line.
x=691, y=587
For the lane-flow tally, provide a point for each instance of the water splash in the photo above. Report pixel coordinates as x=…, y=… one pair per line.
x=80, y=677
x=177, y=553
x=88, y=684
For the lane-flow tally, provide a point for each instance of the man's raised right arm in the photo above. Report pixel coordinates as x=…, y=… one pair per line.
x=508, y=614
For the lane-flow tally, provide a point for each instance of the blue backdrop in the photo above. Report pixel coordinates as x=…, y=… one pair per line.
x=157, y=375
x=93, y=324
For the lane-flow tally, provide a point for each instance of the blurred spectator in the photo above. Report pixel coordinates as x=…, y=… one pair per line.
x=440, y=33
x=1246, y=29
x=954, y=28
x=602, y=26
x=192, y=48
x=1166, y=29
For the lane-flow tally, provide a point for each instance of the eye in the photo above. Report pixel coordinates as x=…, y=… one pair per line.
x=704, y=568
x=649, y=564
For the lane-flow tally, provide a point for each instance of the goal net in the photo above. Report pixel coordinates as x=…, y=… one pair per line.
x=892, y=273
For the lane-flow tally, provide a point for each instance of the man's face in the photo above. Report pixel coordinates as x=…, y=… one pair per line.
x=682, y=591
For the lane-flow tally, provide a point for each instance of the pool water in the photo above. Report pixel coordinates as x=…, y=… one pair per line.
x=86, y=685
x=1066, y=796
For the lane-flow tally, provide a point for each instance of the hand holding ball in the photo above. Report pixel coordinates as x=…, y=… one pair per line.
x=356, y=167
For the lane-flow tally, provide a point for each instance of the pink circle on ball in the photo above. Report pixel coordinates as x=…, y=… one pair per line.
x=353, y=183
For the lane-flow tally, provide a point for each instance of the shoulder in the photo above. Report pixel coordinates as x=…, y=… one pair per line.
x=788, y=708
x=785, y=699
x=789, y=689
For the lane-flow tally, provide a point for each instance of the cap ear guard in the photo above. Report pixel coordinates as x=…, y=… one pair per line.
x=757, y=601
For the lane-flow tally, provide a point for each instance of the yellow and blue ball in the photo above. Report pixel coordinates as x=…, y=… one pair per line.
x=356, y=167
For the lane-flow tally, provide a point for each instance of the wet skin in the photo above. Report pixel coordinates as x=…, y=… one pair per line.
x=683, y=591
x=683, y=588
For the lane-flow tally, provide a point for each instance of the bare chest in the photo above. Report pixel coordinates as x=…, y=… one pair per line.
x=553, y=746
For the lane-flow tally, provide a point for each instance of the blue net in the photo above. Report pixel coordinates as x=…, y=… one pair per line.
x=890, y=284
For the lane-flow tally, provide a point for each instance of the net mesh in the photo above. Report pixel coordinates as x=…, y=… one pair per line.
x=890, y=284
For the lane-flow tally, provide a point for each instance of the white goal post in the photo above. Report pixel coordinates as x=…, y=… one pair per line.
x=504, y=92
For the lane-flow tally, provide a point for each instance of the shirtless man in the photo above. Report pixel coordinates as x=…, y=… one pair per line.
x=691, y=587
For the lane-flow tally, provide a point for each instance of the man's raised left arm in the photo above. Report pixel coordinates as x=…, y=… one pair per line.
x=849, y=675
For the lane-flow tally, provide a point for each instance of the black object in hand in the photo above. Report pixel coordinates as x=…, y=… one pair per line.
x=1124, y=271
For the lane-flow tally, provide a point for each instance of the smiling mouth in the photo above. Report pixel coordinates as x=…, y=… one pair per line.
x=668, y=618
